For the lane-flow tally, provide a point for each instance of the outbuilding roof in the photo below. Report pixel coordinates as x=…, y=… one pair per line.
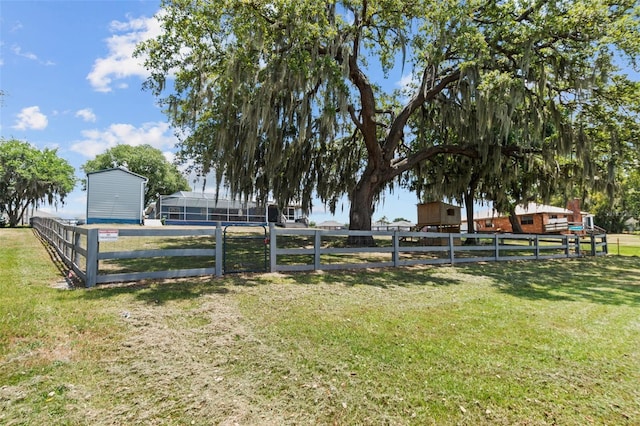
x=521, y=210
x=122, y=169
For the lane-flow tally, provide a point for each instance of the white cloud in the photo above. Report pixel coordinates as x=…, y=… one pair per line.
x=119, y=62
x=17, y=26
x=17, y=50
x=87, y=115
x=170, y=156
x=407, y=80
x=156, y=134
x=31, y=118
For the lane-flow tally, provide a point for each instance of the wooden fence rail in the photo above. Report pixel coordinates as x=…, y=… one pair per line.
x=83, y=250
x=100, y=255
x=324, y=251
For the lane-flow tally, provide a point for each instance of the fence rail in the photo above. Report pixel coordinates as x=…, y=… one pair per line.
x=83, y=251
x=404, y=248
x=99, y=255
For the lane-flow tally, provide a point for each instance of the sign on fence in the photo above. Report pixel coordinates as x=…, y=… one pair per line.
x=107, y=235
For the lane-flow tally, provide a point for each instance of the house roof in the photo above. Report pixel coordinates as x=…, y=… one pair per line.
x=329, y=224
x=397, y=224
x=402, y=223
x=121, y=169
x=196, y=195
x=197, y=199
x=521, y=210
x=202, y=199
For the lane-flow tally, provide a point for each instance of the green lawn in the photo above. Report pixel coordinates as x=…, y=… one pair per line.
x=551, y=342
x=624, y=244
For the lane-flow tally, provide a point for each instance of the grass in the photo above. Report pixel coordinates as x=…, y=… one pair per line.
x=497, y=343
x=624, y=244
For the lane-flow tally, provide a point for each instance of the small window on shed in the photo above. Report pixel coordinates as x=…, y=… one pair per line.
x=526, y=220
x=488, y=223
x=451, y=212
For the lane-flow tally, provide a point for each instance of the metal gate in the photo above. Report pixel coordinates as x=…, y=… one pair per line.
x=245, y=248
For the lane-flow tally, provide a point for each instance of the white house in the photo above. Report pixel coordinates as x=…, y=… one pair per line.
x=115, y=196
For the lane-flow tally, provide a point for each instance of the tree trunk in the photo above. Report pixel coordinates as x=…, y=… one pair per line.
x=469, y=197
x=361, y=210
x=516, y=227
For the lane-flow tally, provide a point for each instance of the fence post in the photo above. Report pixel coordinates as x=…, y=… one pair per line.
x=496, y=243
x=76, y=245
x=452, y=255
x=317, y=244
x=68, y=250
x=566, y=248
x=273, y=264
x=593, y=245
x=606, y=244
x=92, y=257
x=537, y=243
x=219, y=250
x=396, y=249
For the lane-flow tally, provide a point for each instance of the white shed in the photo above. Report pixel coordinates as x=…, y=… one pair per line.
x=115, y=196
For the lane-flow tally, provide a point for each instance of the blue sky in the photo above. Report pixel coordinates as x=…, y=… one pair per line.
x=70, y=83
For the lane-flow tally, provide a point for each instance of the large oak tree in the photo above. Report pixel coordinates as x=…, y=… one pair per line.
x=30, y=177
x=292, y=98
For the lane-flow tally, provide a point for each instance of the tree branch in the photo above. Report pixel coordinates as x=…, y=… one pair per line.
x=427, y=91
x=358, y=78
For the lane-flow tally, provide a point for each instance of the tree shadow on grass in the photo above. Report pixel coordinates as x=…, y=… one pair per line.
x=382, y=278
x=612, y=280
x=161, y=291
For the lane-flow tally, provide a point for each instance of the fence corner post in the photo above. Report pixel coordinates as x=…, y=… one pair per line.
x=219, y=250
x=92, y=257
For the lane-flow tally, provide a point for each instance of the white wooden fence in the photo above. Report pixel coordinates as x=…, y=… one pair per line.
x=85, y=250
x=80, y=249
x=405, y=248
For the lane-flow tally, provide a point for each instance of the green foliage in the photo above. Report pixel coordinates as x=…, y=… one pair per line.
x=145, y=160
x=612, y=126
x=400, y=219
x=286, y=98
x=29, y=177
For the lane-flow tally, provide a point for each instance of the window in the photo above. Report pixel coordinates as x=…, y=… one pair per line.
x=291, y=213
x=526, y=220
x=451, y=212
x=488, y=223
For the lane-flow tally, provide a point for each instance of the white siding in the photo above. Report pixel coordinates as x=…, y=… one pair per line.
x=116, y=195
